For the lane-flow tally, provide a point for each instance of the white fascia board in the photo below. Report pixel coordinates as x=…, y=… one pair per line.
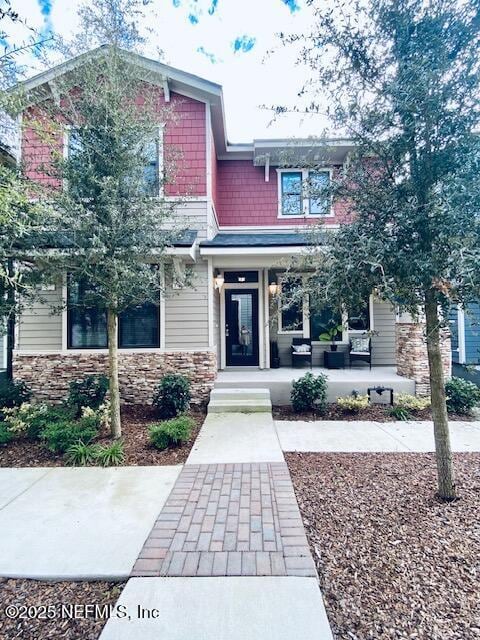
x=253, y=251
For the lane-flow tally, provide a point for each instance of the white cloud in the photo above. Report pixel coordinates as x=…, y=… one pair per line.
x=249, y=79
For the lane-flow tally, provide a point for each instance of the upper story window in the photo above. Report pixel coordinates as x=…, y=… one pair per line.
x=151, y=154
x=304, y=193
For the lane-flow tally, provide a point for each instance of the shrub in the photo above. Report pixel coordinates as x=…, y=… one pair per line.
x=88, y=392
x=111, y=455
x=309, y=393
x=59, y=436
x=19, y=420
x=13, y=394
x=31, y=419
x=81, y=454
x=5, y=435
x=412, y=403
x=171, y=432
x=399, y=413
x=172, y=395
x=100, y=416
x=353, y=403
x=462, y=395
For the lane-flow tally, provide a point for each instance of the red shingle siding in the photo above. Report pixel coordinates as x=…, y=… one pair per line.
x=214, y=178
x=37, y=150
x=188, y=136
x=184, y=141
x=244, y=198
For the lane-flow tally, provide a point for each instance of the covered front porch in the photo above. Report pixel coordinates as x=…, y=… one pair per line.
x=341, y=382
x=253, y=333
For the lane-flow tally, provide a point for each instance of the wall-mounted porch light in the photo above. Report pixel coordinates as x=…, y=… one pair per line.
x=273, y=289
x=218, y=281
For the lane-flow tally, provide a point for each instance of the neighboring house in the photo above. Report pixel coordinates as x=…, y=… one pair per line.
x=465, y=328
x=246, y=214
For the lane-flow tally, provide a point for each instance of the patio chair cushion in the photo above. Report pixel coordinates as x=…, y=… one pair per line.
x=301, y=348
x=360, y=346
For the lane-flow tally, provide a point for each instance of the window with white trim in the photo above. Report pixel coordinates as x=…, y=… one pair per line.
x=360, y=318
x=290, y=312
x=304, y=193
x=138, y=326
x=151, y=152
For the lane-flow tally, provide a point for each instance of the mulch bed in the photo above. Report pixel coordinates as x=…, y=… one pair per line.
x=376, y=413
x=138, y=451
x=394, y=562
x=30, y=593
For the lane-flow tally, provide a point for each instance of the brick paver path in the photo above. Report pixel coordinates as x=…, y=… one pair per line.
x=228, y=520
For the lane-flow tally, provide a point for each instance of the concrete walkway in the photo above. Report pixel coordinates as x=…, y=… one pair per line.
x=363, y=436
x=79, y=523
x=221, y=609
x=236, y=437
x=231, y=540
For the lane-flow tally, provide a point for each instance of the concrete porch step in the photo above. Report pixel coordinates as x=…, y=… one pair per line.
x=240, y=401
x=240, y=394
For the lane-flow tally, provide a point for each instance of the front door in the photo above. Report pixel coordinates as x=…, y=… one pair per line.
x=241, y=327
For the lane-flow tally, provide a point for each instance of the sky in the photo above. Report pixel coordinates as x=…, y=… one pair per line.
x=232, y=42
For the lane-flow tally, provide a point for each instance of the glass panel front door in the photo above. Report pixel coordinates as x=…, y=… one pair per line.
x=241, y=327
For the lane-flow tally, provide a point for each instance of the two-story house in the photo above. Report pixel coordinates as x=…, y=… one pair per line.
x=246, y=212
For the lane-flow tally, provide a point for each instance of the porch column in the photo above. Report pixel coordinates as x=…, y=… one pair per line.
x=411, y=352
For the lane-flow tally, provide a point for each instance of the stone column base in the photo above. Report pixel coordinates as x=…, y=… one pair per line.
x=411, y=354
x=49, y=375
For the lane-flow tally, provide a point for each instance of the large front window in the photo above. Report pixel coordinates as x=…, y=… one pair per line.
x=291, y=307
x=138, y=326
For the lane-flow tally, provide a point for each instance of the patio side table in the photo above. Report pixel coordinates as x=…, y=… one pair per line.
x=334, y=359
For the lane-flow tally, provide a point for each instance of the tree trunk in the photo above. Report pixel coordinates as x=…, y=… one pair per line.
x=446, y=480
x=112, y=329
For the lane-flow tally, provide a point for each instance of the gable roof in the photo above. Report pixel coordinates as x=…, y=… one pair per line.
x=261, y=152
x=170, y=78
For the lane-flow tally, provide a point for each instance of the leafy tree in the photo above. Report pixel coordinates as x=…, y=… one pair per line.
x=112, y=225
x=401, y=78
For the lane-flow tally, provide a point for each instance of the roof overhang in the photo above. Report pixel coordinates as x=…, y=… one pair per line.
x=301, y=152
x=253, y=251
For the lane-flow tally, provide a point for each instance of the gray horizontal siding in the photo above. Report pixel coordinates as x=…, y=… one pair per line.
x=38, y=328
x=472, y=334
x=186, y=314
x=383, y=342
x=3, y=339
x=191, y=214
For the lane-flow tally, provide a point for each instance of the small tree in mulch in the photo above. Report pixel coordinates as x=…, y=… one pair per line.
x=402, y=80
x=112, y=225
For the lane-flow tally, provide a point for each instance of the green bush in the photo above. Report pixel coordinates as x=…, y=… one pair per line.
x=462, y=395
x=81, y=454
x=88, y=392
x=13, y=394
x=399, y=413
x=172, y=432
x=111, y=455
x=5, y=435
x=353, y=403
x=31, y=419
x=412, y=403
x=172, y=395
x=59, y=436
x=309, y=393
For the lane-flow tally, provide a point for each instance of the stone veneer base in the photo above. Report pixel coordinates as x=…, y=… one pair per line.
x=49, y=375
x=412, y=358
